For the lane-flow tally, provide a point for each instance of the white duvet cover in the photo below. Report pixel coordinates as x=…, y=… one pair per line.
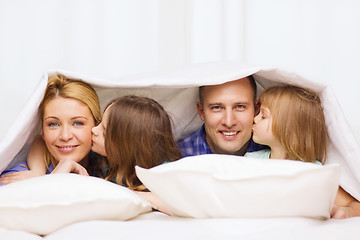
x=177, y=91
x=155, y=225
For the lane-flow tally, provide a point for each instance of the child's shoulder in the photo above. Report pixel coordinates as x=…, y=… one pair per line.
x=264, y=153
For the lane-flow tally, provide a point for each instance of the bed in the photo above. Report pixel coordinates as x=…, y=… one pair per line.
x=287, y=199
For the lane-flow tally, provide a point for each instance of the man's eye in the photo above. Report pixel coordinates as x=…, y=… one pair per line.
x=215, y=108
x=78, y=124
x=240, y=107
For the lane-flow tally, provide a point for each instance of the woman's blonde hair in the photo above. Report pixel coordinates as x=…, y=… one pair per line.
x=61, y=86
x=139, y=133
x=298, y=121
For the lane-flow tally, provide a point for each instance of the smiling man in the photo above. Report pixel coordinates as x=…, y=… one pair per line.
x=227, y=111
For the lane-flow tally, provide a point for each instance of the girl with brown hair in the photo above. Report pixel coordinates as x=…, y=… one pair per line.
x=134, y=131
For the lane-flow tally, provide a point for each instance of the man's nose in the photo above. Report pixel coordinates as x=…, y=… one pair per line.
x=229, y=119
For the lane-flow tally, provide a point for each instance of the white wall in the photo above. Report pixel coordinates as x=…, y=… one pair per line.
x=100, y=38
x=113, y=38
x=319, y=39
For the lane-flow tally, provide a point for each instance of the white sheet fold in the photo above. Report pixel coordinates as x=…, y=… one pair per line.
x=177, y=91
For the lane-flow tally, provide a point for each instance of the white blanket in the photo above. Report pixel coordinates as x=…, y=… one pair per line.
x=177, y=91
x=155, y=226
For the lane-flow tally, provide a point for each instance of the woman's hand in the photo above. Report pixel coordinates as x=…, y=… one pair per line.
x=18, y=176
x=70, y=166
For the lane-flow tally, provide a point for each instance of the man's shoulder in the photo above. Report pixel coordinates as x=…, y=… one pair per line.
x=194, y=144
x=190, y=138
x=253, y=146
x=189, y=143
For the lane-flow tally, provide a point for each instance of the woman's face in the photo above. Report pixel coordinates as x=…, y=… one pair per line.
x=67, y=125
x=98, y=134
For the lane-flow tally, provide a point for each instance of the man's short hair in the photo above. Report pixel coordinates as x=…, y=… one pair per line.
x=252, y=83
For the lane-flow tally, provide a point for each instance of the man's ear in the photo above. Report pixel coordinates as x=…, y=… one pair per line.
x=257, y=107
x=200, y=111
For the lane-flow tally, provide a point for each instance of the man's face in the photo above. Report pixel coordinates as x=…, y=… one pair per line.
x=228, y=114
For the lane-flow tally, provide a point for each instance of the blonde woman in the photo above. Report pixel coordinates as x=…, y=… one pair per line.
x=68, y=111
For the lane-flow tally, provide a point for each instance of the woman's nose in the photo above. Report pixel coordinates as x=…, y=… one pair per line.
x=66, y=133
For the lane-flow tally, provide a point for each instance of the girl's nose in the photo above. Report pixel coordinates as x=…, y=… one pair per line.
x=94, y=130
x=256, y=118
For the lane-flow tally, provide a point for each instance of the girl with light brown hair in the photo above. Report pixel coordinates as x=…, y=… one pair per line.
x=291, y=122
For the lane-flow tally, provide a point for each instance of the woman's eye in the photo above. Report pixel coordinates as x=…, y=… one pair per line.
x=78, y=124
x=53, y=124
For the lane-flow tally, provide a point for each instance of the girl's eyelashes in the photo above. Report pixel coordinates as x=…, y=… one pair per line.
x=264, y=113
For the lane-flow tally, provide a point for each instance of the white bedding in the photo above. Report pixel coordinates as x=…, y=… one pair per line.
x=177, y=91
x=156, y=225
x=160, y=226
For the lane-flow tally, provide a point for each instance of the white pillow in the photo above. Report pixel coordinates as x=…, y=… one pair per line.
x=44, y=204
x=214, y=185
